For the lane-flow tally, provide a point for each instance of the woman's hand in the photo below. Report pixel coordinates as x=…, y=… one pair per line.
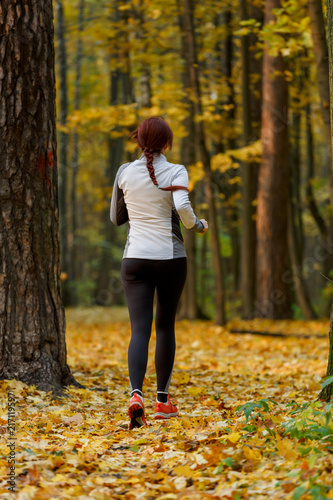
x=205, y=223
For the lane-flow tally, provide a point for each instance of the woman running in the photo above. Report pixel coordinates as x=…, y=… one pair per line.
x=152, y=194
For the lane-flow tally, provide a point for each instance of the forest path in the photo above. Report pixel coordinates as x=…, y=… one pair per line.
x=83, y=448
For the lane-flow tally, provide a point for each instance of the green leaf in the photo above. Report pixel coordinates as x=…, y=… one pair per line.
x=134, y=448
x=298, y=492
x=327, y=382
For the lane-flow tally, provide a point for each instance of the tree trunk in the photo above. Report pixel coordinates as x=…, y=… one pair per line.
x=251, y=132
x=311, y=202
x=229, y=207
x=320, y=50
x=302, y=296
x=192, y=67
x=32, y=318
x=75, y=157
x=63, y=147
x=145, y=77
x=327, y=392
x=189, y=305
x=273, y=295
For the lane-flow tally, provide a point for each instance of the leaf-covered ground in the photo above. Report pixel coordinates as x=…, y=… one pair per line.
x=279, y=447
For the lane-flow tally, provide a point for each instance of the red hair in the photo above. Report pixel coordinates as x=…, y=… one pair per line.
x=152, y=135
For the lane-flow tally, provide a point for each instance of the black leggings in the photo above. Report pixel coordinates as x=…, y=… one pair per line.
x=140, y=278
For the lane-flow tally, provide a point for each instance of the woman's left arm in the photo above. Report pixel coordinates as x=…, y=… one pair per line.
x=118, y=209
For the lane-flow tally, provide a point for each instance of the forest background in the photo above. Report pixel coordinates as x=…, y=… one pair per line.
x=252, y=132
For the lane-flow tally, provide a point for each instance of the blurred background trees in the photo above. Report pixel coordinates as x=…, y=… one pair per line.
x=244, y=86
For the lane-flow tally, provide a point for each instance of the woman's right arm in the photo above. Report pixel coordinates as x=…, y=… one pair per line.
x=118, y=209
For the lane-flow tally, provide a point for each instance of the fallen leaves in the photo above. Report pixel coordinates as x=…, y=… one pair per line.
x=82, y=448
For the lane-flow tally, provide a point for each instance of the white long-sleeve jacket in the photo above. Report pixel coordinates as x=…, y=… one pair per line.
x=153, y=214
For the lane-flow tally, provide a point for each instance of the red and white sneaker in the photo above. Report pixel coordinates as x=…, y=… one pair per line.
x=136, y=412
x=165, y=410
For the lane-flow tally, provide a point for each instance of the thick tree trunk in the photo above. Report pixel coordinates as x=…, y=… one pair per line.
x=63, y=147
x=192, y=68
x=32, y=319
x=251, y=132
x=273, y=295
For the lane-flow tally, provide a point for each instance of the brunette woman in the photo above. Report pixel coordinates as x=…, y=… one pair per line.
x=152, y=194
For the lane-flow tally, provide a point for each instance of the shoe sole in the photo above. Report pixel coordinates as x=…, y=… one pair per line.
x=135, y=413
x=161, y=415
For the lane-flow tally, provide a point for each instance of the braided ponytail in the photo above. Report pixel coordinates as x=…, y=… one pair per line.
x=152, y=135
x=149, y=154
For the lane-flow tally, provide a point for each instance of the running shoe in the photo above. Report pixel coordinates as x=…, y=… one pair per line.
x=136, y=412
x=165, y=410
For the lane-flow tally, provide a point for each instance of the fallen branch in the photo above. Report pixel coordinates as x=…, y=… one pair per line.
x=278, y=334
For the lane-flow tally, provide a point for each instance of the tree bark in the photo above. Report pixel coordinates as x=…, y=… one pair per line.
x=229, y=207
x=63, y=148
x=192, y=68
x=32, y=318
x=75, y=157
x=326, y=393
x=311, y=201
x=145, y=77
x=251, y=132
x=302, y=296
x=320, y=50
x=189, y=303
x=273, y=295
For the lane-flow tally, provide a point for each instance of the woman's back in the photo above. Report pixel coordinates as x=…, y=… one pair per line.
x=154, y=231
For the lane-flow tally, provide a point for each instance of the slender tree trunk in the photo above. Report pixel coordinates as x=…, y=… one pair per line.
x=203, y=278
x=32, y=318
x=192, y=68
x=302, y=296
x=320, y=49
x=63, y=147
x=189, y=305
x=145, y=77
x=295, y=196
x=327, y=392
x=227, y=70
x=251, y=114
x=273, y=295
x=311, y=201
x=75, y=155
x=229, y=207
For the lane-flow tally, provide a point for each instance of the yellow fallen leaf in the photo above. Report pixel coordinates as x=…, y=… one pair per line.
x=193, y=391
x=185, y=471
x=234, y=437
x=48, y=427
x=59, y=478
x=251, y=454
x=285, y=448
